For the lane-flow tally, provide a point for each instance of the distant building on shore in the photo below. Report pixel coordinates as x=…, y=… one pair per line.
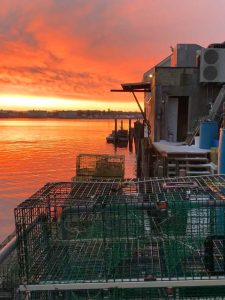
x=70, y=114
x=37, y=114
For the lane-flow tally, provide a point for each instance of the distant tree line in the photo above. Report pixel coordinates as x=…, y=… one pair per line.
x=69, y=114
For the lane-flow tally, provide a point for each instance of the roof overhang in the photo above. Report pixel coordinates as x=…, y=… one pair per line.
x=135, y=87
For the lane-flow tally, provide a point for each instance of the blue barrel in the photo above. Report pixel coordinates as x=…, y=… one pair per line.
x=221, y=154
x=216, y=143
x=208, y=133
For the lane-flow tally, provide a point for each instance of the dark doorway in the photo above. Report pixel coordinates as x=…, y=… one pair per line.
x=182, y=119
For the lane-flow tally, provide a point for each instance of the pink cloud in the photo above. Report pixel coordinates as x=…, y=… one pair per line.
x=81, y=49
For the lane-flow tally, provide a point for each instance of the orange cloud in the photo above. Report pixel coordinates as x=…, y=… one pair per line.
x=75, y=49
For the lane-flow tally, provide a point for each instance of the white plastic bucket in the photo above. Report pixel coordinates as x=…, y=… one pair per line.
x=197, y=139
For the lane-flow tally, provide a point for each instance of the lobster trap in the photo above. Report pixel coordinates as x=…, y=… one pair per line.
x=204, y=293
x=90, y=166
x=118, y=236
x=9, y=272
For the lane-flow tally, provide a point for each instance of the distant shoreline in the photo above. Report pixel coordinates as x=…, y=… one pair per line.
x=71, y=115
x=77, y=118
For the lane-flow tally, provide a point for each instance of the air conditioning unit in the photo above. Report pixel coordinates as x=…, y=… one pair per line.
x=212, y=65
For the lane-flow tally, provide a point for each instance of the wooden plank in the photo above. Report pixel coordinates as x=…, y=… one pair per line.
x=189, y=158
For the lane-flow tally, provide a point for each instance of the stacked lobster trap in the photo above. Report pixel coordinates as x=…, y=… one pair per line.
x=92, y=166
x=124, y=239
x=9, y=277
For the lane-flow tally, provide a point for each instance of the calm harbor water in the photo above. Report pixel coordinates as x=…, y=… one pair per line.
x=34, y=152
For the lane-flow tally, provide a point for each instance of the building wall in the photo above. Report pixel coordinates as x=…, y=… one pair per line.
x=176, y=82
x=164, y=63
x=184, y=55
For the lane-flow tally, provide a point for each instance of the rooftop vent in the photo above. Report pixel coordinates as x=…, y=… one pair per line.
x=217, y=45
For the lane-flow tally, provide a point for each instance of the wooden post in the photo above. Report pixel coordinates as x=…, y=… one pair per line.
x=130, y=136
x=160, y=171
x=138, y=135
x=121, y=124
x=223, y=114
x=129, y=129
x=144, y=157
x=182, y=173
x=115, y=135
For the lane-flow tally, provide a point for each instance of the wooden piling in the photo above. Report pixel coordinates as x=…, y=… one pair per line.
x=224, y=115
x=145, y=157
x=182, y=173
x=115, y=135
x=130, y=132
x=138, y=135
x=129, y=129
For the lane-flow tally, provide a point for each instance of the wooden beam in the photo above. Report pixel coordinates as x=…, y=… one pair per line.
x=131, y=91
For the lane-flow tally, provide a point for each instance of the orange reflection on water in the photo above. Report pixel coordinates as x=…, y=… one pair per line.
x=36, y=151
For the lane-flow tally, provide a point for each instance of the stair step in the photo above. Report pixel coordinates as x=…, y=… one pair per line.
x=207, y=165
x=189, y=158
x=198, y=173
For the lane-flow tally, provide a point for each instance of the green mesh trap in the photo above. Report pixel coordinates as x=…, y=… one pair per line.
x=130, y=237
x=9, y=273
x=90, y=166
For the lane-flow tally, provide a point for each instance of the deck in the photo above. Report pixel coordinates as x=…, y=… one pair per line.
x=165, y=148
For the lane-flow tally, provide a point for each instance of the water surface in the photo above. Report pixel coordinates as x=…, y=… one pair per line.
x=36, y=151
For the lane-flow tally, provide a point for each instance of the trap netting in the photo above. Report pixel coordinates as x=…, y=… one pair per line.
x=134, y=234
x=89, y=166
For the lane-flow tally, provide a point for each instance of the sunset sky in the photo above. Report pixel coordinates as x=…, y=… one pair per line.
x=68, y=54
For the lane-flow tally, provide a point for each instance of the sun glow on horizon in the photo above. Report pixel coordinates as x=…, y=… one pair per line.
x=24, y=102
